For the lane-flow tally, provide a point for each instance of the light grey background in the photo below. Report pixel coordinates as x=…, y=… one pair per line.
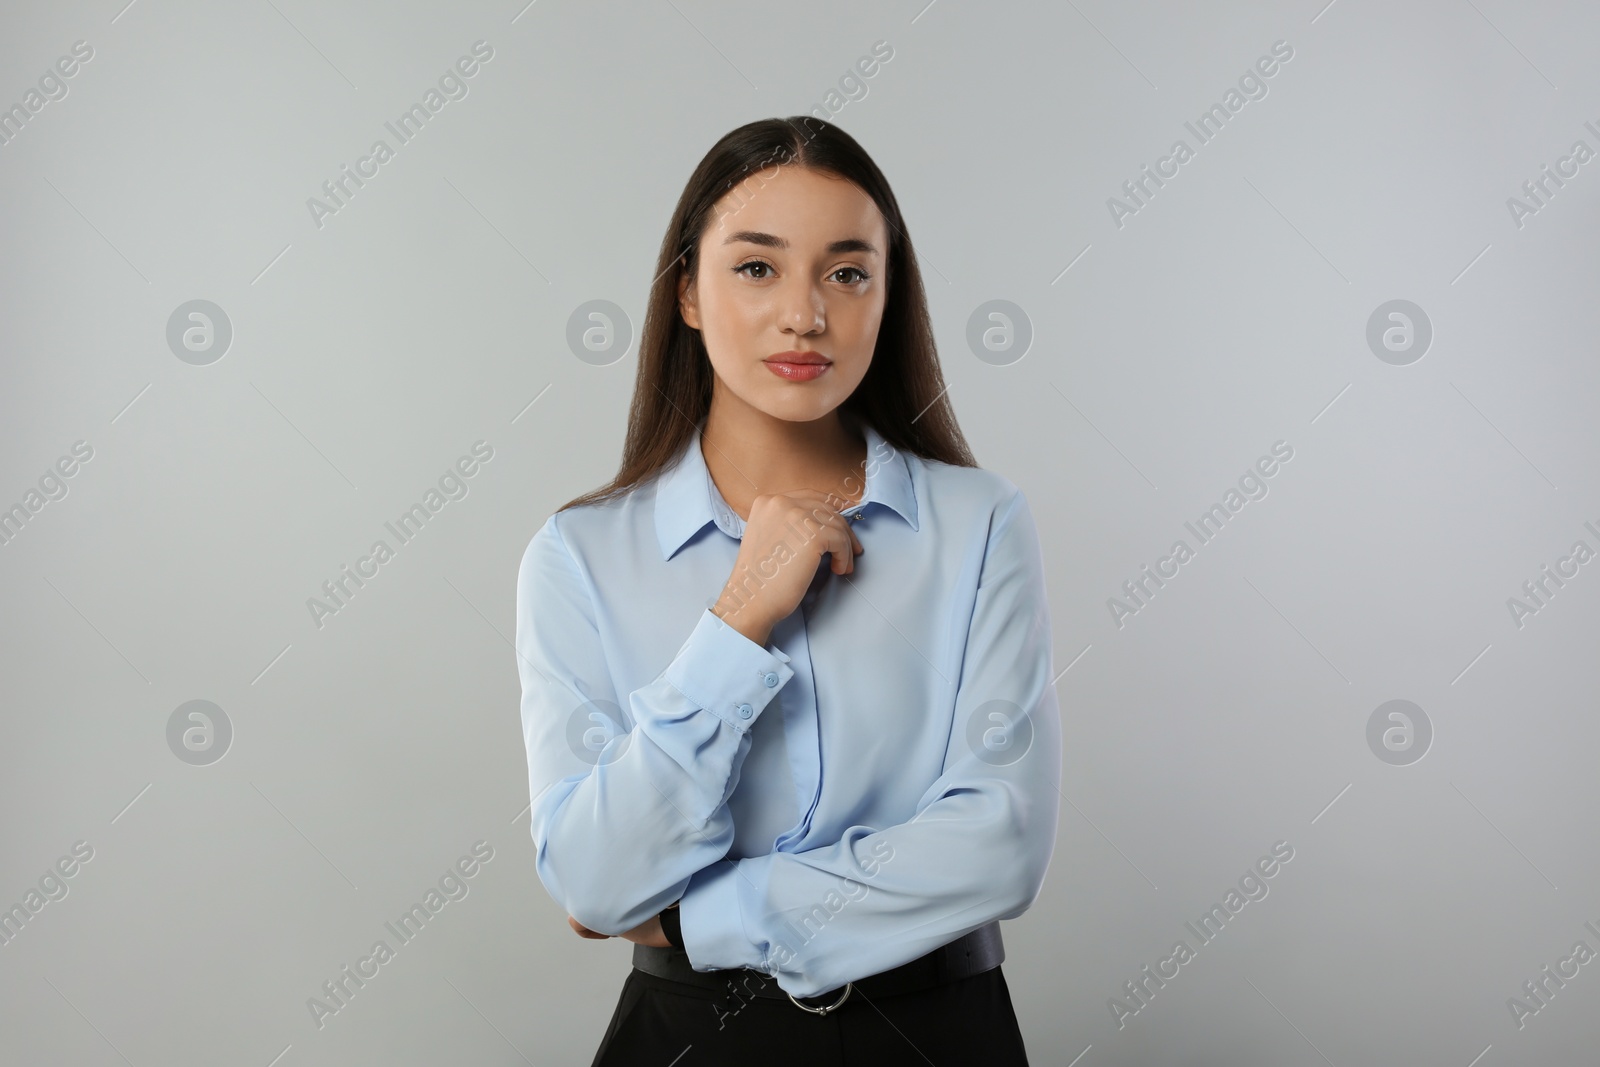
x=431, y=312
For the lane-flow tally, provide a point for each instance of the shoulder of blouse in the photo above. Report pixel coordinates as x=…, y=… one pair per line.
x=973, y=488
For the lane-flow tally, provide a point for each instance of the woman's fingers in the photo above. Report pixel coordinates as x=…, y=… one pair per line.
x=803, y=526
x=840, y=541
x=842, y=545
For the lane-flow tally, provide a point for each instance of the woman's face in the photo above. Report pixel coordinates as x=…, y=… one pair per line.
x=793, y=261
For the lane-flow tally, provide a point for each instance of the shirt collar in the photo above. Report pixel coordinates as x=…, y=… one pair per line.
x=687, y=498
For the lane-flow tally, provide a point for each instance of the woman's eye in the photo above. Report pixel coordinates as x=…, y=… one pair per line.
x=748, y=269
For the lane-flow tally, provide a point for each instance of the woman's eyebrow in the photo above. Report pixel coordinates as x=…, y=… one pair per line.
x=756, y=237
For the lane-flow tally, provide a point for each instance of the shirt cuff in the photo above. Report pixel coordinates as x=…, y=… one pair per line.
x=723, y=671
x=711, y=919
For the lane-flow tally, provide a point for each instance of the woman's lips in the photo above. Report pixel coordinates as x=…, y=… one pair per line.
x=797, y=372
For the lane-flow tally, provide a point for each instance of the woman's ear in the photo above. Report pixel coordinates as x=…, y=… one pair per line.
x=686, y=301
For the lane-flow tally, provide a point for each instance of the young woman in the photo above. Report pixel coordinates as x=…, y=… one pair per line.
x=806, y=793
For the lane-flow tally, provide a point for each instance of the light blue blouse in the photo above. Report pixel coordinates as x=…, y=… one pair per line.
x=878, y=780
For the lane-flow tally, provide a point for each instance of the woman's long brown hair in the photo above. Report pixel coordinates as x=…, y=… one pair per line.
x=902, y=395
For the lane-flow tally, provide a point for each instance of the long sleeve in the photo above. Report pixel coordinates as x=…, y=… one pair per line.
x=975, y=850
x=630, y=797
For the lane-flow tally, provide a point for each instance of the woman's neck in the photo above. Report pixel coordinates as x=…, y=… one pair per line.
x=754, y=453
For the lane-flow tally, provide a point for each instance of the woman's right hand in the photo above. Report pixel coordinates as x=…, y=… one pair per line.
x=784, y=541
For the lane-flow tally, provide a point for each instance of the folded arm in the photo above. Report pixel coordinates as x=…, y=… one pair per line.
x=975, y=850
x=629, y=797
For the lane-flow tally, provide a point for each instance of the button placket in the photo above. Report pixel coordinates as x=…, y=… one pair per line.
x=802, y=743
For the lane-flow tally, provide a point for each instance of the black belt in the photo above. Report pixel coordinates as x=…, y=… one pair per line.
x=970, y=954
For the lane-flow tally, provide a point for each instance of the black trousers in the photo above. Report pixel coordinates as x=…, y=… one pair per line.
x=662, y=1023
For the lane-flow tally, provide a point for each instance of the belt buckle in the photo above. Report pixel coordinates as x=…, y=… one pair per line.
x=827, y=1008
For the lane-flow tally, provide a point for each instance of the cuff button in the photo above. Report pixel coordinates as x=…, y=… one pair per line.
x=771, y=679
x=745, y=711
